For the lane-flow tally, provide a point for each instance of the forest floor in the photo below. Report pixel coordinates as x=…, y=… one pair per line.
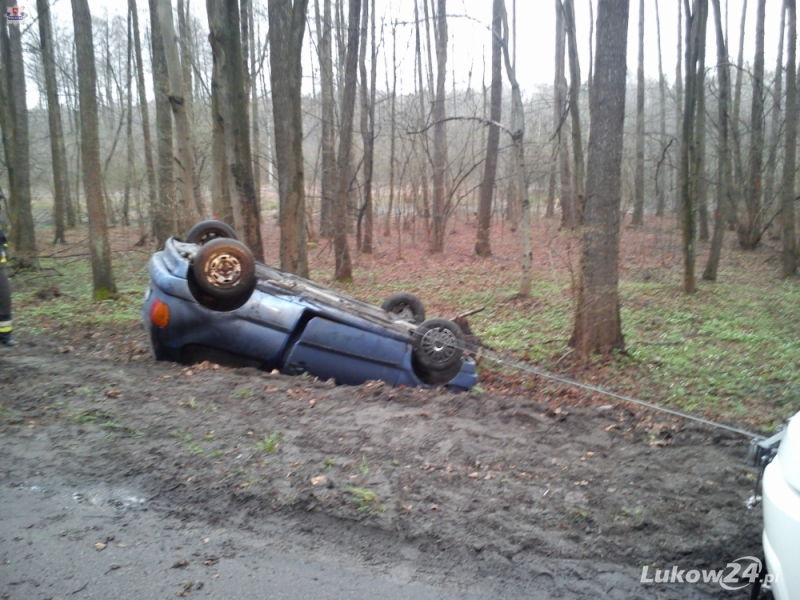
x=521, y=488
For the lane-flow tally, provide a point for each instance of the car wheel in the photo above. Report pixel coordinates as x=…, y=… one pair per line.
x=205, y=231
x=438, y=345
x=435, y=377
x=406, y=307
x=224, y=269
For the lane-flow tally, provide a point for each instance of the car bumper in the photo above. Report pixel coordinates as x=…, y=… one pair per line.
x=781, y=538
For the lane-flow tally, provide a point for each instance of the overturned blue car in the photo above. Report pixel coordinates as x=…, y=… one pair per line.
x=208, y=299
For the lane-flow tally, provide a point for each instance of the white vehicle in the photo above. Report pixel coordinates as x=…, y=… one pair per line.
x=781, y=504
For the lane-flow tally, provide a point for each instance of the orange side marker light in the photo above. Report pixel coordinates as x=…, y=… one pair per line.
x=159, y=313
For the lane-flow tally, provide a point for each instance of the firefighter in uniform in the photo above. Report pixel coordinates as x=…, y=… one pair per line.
x=5, y=295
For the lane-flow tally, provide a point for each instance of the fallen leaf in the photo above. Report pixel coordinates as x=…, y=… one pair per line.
x=473, y=475
x=100, y=546
x=187, y=587
x=211, y=560
x=181, y=564
x=318, y=480
x=113, y=393
x=122, y=545
x=434, y=507
x=206, y=540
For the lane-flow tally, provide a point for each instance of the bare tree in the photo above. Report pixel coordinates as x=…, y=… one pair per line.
x=560, y=92
x=518, y=138
x=598, y=326
x=774, y=139
x=189, y=212
x=328, y=179
x=221, y=202
x=439, y=130
x=343, y=269
x=701, y=188
x=735, y=122
x=638, y=193
x=387, y=228
x=661, y=196
x=145, y=113
x=57, y=149
x=164, y=218
x=696, y=18
x=226, y=46
x=287, y=20
x=483, y=247
x=22, y=227
x=99, y=249
x=789, y=253
x=128, y=129
x=367, y=90
x=749, y=229
x=679, y=109
x=724, y=168
x=574, y=109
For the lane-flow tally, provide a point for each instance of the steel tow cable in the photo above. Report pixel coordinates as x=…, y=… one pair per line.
x=480, y=351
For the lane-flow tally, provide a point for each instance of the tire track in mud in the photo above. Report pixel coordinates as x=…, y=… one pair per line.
x=527, y=494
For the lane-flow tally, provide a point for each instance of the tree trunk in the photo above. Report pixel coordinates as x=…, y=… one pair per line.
x=560, y=91
x=328, y=117
x=224, y=25
x=422, y=120
x=22, y=227
x=724, y=169
x=735, y=121
x=185, y=34
x=221, y=202
x=598, y=326
x=367, y=127
x=129, y=166
x=256, y=147
x=518, y=138
x=57, y=150
x=679, y=110
x=164, y=220
x=690, y=162
x=483, y=247
x=343, y=270
x=7, y=121
x=387, y=228
x=103, y=276
x=789, y=253
x=440, y=131
x=700, y=131
x=750, y=226
x=774, y=140
x=661, y=195
x=145, y=115
x=287, y=20
x=189, y=212
x=574, y=110
x=638, y=186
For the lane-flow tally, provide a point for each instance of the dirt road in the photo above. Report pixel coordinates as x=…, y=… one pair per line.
x=511, y=497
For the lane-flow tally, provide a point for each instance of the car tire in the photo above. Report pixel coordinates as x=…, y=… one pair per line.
x=205, y=231
x=435, y=378
x=224, y=269
x=437, y=346
x=406, y=307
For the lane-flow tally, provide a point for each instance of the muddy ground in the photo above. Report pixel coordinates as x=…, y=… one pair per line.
x=538, y=494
